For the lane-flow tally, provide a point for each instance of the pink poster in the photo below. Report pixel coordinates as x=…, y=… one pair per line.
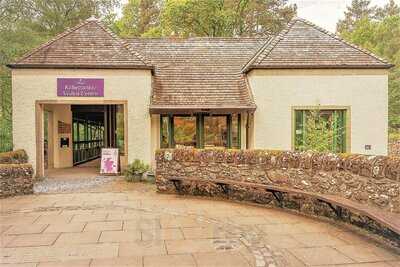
x=109, y=161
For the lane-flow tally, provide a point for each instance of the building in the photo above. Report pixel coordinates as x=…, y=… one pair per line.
x=87, y=88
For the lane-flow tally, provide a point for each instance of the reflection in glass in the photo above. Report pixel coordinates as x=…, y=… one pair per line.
x=215, y=131
x=120, y=128
x=184, y=131
x=164, y=132
x=235, y=131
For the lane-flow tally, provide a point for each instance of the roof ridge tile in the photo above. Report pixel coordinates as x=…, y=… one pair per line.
x=270, y=43
x=276, y=40
x=123, y=43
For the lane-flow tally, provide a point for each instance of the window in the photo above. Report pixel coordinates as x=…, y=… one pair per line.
x=184, y=130
x=320, y=130
x=87, y=139
x=200, y=131
x=165, y=131
x=120, y=131
x=216, y=131
x=236, y=136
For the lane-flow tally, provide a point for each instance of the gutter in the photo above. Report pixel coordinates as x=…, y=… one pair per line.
x=284, y=67
x=61, y=66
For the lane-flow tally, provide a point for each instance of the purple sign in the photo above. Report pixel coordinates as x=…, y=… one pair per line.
x=80, y=87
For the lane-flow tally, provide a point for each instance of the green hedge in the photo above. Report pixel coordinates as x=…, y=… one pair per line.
x=14, y=157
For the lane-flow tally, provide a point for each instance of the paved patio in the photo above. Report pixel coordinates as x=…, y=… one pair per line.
x=134, y=226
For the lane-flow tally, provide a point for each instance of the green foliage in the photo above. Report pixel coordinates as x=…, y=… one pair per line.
x=135, y=170
x=394, y=136
x=358, y=10
x=154, y=18
x=5, y=113
x=138, y=17
x=197, y=18
x=394, y=98
x=390, y=9
x=54, y=16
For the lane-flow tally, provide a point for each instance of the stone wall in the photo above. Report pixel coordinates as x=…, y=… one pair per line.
x=372, y=180
x=16, y=176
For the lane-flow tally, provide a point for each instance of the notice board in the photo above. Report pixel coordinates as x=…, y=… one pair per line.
x=109, y=161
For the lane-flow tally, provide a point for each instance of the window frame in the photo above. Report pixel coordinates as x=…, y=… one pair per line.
x=200, y=128
x=347, y=118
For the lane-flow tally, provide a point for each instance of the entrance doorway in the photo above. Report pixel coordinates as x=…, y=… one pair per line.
x=95, y=127
x=71, y=136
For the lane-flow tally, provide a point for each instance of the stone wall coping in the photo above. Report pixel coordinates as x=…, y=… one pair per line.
x=377, y=167
x=16, y=156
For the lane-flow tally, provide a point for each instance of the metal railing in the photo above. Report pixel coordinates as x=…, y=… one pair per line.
x=86, y=150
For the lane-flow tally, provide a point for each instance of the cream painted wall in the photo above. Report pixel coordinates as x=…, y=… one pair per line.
x=134, y=86
x=277, y=91
x=62, y=157
x=243, y=120
x=51, y=137
x=155, y=137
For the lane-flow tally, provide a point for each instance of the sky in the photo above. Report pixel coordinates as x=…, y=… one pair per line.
x=326, y=13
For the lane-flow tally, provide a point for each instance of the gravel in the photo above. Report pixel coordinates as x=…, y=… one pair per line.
x=71, y=185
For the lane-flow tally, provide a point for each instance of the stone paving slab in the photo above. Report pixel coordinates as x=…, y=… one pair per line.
x=121, y=261
x=132, y=225
x=184, y=260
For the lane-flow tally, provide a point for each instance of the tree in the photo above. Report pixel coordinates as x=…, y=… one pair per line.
x=139, y=17
x=205, y=17
x=196, y=18
x=261, y=17
x=390, y=9
x=358, y=10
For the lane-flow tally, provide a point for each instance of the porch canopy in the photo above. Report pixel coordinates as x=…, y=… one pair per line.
x=199, y=75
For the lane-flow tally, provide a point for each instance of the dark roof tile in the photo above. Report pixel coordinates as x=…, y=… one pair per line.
x=87, y=45
x=199, y=73
x=305, y=45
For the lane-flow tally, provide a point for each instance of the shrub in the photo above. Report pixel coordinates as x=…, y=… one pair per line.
x=135, y=170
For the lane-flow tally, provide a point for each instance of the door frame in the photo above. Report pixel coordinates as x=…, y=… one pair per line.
x=39, y=122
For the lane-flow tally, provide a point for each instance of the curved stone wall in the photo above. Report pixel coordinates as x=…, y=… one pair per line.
x=371, y=180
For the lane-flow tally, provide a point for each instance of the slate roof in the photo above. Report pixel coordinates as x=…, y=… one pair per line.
x=87, y=45
x=305, y=45
x=199, y=73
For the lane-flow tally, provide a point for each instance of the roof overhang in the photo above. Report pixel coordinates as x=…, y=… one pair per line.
x=154, y=109
x=80, y=66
